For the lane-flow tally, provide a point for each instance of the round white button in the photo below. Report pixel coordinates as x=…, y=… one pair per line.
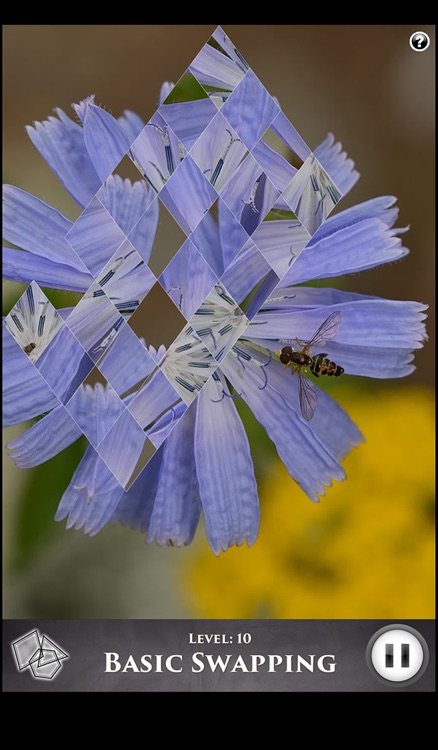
x=397, y=653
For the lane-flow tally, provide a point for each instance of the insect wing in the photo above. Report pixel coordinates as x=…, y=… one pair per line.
x=326, y=330
x=307, y=395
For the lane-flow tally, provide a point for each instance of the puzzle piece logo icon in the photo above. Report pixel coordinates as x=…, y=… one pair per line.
x=38, y=653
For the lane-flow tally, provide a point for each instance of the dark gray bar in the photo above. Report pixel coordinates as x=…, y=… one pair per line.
x=201, y=656
x=405, y=654
x=389, y=655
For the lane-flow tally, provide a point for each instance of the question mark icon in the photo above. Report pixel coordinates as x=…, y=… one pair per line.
x=419, y=41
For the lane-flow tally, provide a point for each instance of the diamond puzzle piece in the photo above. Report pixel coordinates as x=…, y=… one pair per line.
x=218, y=152
x=188, y=206
x=250, y=110
x=312, y=194
x=157, y=152
x=126, y=362
x=95, y=416
x=33, y=322
x=188, y=278
x=95, y=236
x=95, y=321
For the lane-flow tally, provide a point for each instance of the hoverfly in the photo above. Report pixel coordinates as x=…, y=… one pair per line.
x=300, y=360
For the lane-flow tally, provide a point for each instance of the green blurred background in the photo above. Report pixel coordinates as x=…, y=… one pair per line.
x=367, y=550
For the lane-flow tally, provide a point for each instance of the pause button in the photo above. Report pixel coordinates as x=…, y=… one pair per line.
x=397, y=653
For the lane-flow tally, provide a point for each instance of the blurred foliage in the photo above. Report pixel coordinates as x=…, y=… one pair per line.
x=186, y=90
x=35, y=527
x=365, y=551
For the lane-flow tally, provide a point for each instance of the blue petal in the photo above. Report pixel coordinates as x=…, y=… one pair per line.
x=232, y=235
x=44, y=439
x=250, y=109
x=159, y=431
x=244, y=273
x=249, y=195
x=177, y=506
x=188, y=279
x=131, y=124
x=25, y=392
x=126, y=362
x=312, y=194
x=352, y=249
x=157, y=152
x=218, y=152
x=127, y=203
x=64, y=364
x=142, y=235
x=286, y=131
x=135, y=507
x=188, y=119
x=225, y=471
x=34, y=226
x=26, y=267
x=369, y=321
x=188, y=206
x=105, y=139
x=206, y=239
x=122, y=446
x=330, y=423
x=262, y=294
x=95, y=321
x=227, y=45
x=154, y=398
x=278, y=169
x=307, y=460
x=95, y=410
x=376, y=208
x=95, y=236
x=91, y=497
x=281, y=242
x=61, y=143
x=214, y=69
x=337, y=165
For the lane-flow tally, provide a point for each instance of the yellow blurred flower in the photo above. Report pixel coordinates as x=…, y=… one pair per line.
x=367, y=550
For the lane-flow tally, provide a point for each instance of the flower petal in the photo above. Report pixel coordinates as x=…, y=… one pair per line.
x=214, y=69
x=337, y=165
x=135, y=507
x=188, y=119
x=354, y=248
x=225, y=471
x=250, y=109
x=368, y=321
x=64, y=364
x=126, y=362
x=188, y=279
x=44, y=439
x=132, y=124
x=95, y=236
x=91, y=497
x=27, y=267
x=153, y=398
x=127, y=202
x=275, y=406
x=34, y=226
x=95, y=410
x=177, y=507
x=25, y=392
x=245, y=272
x=105, y=139
x=61, y=143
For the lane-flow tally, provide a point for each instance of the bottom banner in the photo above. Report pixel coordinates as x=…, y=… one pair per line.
x=218, y=655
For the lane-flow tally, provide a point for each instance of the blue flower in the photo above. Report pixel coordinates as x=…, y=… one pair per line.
x=166, y=442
